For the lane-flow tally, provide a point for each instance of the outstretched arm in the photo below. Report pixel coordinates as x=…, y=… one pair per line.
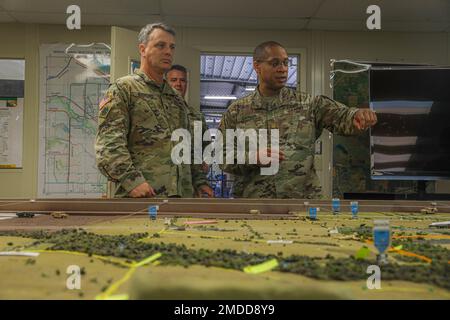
x=338, y=118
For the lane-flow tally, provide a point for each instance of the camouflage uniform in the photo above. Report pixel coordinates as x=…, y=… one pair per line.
x=197, y=116
x=300, y=119
x=133, y=145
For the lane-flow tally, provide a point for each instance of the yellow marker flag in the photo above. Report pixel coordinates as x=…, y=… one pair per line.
x=362, y=253
x=263, y=267
x=108, y=294
x=118, y=297
x=147, y=260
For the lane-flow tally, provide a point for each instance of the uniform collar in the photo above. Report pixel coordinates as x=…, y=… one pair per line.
x=164, y=87
x=257, y=98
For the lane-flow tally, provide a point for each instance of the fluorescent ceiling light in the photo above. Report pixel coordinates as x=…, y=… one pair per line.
x=220, y=97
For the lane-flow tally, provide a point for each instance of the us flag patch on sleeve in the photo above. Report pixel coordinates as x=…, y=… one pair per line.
x=107, y=98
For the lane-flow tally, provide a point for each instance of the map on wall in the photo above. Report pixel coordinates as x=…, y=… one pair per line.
x=73, y=80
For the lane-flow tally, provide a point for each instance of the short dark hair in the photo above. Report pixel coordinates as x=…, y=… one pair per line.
x=146, y=31
x=260, y=52
x=177, y=67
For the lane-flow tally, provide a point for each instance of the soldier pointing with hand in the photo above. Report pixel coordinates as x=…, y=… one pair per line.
x=300, y=119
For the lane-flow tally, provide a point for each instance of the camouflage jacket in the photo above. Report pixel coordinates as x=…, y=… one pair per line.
x=133, y=143
x=300, y=119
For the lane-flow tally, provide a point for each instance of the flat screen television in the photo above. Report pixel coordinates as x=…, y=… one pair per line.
x=411, y=140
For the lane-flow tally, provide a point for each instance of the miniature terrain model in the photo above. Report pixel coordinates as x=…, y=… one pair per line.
x=224, y=249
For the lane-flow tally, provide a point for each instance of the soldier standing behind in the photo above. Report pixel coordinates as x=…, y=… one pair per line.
x=299, y=118
x=136, y=119
x=177, y=77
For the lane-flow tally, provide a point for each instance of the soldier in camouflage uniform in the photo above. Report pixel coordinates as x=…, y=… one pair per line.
x=136, y=119
x=177, y=77
x=299, y=118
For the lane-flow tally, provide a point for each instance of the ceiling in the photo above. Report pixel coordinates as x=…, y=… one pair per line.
x=345, y=15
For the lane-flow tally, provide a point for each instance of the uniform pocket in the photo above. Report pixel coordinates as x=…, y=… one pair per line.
x=147, y=125
x=305, y=127
x=143, y=107
x=294, y=125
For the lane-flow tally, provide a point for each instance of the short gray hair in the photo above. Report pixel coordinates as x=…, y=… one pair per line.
x=145, y=32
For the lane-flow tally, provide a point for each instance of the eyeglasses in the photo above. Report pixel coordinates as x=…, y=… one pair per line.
x=275, y=63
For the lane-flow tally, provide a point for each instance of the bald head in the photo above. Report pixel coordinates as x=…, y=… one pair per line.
x=261, y=51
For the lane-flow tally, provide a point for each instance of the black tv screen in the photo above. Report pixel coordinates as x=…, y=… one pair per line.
x=411, y=140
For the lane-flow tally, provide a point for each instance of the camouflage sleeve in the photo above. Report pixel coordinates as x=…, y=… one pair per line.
x=333, y=116
x=204, y=129
x=198, y=175
x=111, y=146
x=229, y=122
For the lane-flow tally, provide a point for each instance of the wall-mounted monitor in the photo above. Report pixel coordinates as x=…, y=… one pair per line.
x=411, y=140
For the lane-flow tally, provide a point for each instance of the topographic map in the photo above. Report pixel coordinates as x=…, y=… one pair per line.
x=71, y=85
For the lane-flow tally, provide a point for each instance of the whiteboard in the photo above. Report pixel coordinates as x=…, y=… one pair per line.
x=12, y=78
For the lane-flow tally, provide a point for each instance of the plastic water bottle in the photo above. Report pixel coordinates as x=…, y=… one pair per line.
x=336, y=205
x=381, y=239
x=218, y=190
x=153, y=212
x=354, y=208
x=313, y=213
